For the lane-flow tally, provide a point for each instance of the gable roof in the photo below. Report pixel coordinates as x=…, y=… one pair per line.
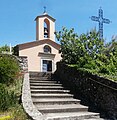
x=45, y=15
x=39, y=42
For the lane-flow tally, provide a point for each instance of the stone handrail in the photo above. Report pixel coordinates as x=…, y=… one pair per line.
x=28, y=105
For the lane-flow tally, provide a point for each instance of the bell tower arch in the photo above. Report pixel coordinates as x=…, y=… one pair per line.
x=45, y=27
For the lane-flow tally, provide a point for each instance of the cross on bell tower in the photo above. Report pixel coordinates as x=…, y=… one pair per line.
x=44, y=9
x=101, y=20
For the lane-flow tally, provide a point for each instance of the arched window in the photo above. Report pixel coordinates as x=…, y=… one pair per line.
x=46, y=28
x=47, y=49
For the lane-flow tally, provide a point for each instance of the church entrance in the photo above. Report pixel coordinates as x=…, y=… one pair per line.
x=47, y=66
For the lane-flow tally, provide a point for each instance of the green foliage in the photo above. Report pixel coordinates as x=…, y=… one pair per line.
x=7, y=98
x=4, y=49
x=77, y=49
x=18, y=113
x=10, y=88
x=8, y=72
x=88, y=51
x=10, y=99
x=8, y=69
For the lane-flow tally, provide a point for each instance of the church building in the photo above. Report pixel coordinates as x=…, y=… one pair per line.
x=43, y=53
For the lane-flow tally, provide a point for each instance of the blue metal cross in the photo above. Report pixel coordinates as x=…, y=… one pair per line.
x=101, y=20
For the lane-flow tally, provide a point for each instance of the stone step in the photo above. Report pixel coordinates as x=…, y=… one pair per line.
x=40, y=78
x=95, y=119
x=45, y=84
x=40, y=74
x=43, y=81
x=72, y=116
x=50, y=91
x=51, y=95
x=55, y=101
x=47, y=87
x=62, y=108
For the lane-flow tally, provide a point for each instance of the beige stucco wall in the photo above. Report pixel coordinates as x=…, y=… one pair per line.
x=34, y=59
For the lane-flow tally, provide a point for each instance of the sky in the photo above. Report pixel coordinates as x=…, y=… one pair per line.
x=17, y=17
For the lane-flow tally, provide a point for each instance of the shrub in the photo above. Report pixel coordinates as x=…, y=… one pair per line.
x=7, y=98
x=8, y=69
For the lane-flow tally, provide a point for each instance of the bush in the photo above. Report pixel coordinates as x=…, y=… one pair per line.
x=7, y=98
x=8, y=69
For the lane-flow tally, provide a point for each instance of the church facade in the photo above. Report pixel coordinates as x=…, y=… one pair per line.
x=43, y=53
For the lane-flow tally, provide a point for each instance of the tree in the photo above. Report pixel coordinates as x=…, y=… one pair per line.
x=87, y=51
x=4, y=49
x=77, y=49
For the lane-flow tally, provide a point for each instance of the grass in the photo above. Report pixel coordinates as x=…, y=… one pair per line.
x=18, y=113
x=6, y=118
x=15, y=111
x=5, y=115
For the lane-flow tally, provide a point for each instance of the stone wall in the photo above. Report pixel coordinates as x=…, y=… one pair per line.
x=23, y=63
x=98, y=93
x=22, y=60
x=28, y=105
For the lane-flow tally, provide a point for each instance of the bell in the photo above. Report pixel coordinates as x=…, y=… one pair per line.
x=45, y=31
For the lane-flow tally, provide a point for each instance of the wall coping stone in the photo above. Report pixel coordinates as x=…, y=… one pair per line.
x=28, y=105
x=100, y=79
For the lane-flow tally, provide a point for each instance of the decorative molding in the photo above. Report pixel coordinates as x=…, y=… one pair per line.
x=43, y=54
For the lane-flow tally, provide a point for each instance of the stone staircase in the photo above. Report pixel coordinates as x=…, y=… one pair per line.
x=56, y=103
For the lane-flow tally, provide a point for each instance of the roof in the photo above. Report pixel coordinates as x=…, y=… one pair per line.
x=45, y=15
x=39, y=42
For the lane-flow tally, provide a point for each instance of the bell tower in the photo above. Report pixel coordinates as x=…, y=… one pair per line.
x=45, y=27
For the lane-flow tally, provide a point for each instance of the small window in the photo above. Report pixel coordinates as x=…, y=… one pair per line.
x=47, y=49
